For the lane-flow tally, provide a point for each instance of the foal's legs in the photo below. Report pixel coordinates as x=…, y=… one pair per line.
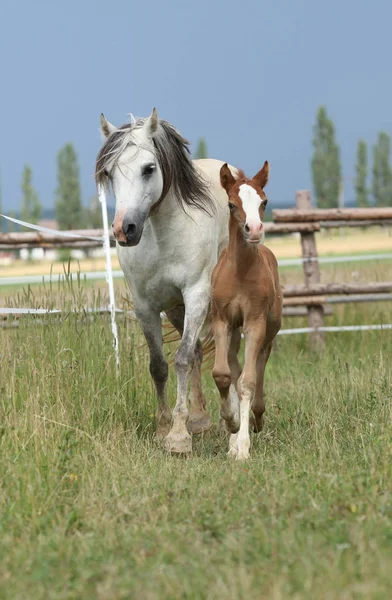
x=196, y=307
x=254, y=338
x=222, y=374
x=235, y=366
x=152, y=329
x=199, y=419
x=235, y=369
x=258, y=405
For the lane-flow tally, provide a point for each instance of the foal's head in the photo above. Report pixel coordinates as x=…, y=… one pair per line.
x=247, y=201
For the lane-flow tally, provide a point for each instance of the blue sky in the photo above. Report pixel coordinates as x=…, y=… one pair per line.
x=248, y=76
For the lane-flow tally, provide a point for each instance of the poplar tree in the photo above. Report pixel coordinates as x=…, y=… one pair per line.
x=325, y=164
x=201, y=150
x=69, y=209
x=382, y=173
x=31, y=207
x=361, y=190
x=95, y=214
x=2, y=226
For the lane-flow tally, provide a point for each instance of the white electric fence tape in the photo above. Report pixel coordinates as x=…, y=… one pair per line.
x=109, y=273
x=52, y=231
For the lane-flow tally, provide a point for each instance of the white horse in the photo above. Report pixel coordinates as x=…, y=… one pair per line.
x=171, y=224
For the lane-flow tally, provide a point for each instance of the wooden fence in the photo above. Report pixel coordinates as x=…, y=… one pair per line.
x=313, y=294
x=309, y=298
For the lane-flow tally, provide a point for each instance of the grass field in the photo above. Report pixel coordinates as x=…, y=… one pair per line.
x=91, y=507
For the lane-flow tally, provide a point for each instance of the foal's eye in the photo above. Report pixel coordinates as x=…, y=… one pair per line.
x=148, y=170
x=265, y=202
x=231, y=206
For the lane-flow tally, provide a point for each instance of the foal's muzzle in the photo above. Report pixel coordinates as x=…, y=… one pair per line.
x=254, y=232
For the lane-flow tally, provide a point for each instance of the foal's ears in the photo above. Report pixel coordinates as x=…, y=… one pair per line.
x=151, y=124
x=226, y=177
x=262, y=176
x=106, y=127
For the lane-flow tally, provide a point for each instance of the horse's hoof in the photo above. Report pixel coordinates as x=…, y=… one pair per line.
x=178, y=443
x=199, y=422
x=163, y=421
x=163, y=430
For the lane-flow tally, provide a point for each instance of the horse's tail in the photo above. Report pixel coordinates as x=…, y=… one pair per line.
x=208, y=345
x=172, y=335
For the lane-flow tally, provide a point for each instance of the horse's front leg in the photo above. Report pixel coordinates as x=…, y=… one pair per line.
x=199, y=419
x=152, y=329
x=196, y=302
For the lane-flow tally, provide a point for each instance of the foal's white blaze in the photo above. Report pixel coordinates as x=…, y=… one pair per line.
x=251, y=203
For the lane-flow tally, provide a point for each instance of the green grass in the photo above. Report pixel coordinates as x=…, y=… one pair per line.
x=92, y=508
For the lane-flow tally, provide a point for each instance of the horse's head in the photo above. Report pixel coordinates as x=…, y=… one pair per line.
x=128, y=161
x=143, y=161
x=247, y=201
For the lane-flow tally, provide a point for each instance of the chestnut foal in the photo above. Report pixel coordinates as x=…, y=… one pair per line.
x=245, y=293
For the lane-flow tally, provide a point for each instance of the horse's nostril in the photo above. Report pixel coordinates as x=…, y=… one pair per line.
x=129, y=229
x=246, y=228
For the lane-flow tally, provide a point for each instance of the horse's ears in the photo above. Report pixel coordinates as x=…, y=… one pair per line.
x=152, y=123
x=262, y=176
x=226, y=177
x=106, y=127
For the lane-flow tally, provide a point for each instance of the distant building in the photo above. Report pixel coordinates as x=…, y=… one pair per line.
x=41, y=253
x=48, y=223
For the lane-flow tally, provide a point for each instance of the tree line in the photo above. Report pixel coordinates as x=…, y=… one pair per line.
x=69, y=210
x=327, y=169
x=326, y=172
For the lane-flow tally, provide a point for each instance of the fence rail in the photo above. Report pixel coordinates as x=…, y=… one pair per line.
x=314, y=294
x=309, y=298
x=285, y=221
x=305, y=215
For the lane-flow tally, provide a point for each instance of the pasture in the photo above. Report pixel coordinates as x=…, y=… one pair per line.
x=91, y=507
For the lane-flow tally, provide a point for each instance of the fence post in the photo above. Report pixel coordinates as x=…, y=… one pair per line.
x=311, y=272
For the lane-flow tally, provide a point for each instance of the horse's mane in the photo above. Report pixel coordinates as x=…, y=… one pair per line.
x=240, y=176
x=173, y=155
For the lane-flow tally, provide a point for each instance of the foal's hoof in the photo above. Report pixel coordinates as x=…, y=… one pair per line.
x=199, y=422
x=178, y=443
x=242, y=454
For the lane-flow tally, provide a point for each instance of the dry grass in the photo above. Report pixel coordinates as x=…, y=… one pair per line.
x=336, y=242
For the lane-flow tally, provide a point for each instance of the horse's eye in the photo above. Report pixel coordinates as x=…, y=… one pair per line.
x=231, y=206
x=148, y=170
x=265, y=202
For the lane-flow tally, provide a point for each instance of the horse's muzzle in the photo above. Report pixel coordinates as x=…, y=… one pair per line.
x=129, y=231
